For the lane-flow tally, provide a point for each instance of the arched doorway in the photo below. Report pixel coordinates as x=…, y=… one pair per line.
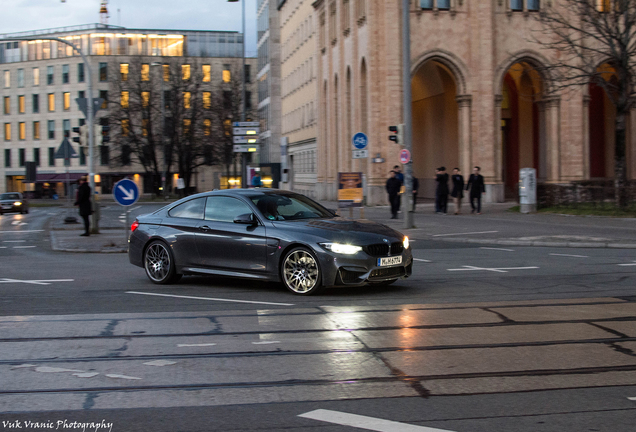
x=522, y=130
x=602, y=118
x=435, y=124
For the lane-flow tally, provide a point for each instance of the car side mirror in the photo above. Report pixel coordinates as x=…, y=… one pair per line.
x=334, y=212
x=245, y=219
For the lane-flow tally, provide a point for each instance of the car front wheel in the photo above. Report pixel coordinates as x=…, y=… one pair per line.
x=301, y=273
x=159, y=264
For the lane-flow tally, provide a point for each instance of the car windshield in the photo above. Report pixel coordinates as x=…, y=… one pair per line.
x=289, y=207
x=9, y=196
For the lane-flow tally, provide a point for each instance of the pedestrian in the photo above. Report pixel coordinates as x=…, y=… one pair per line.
x=416, y=186
x=400, y=177
x=458, y=189
x=393, y=185
x=441, y=192
x=84, y=203
x=476, y=186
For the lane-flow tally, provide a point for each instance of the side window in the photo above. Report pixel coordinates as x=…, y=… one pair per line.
x=224, y=209
x=192, y=209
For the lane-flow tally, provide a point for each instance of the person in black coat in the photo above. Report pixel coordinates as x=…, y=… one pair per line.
x=476, y=186
x=416, y=186
x=458, y=189
x=393, y=185
x=84, y=203
x=441, y=192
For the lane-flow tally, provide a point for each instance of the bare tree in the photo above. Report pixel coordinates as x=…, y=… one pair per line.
x=584, y=35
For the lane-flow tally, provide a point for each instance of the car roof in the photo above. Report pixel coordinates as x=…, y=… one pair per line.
x=245, y=192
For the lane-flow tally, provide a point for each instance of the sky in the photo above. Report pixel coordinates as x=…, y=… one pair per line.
x=26, y=15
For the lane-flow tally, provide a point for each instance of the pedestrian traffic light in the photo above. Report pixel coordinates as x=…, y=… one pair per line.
x=397, y=134
x=105, y=134
x=82, y=138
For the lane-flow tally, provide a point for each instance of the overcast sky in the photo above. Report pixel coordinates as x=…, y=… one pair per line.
x=25, y=15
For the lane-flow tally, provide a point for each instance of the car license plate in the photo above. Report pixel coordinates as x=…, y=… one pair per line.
x=7, y=206
x=389, y=261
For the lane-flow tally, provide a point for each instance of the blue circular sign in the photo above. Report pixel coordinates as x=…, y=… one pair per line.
x=126, y=192
x=360, y=141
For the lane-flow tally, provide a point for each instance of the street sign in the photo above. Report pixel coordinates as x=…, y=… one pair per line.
x=126, y=192
x=246, y=130
x=245, y=148
x=246, y=124
x=245, y=140
x=360, y=154
x=65, y=151
x=360, y=141
x=405, y=156
x=82, y=103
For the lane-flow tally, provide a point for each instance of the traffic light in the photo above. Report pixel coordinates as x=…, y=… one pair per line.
x=82, y=138
x=397, y=134
x=105, y=134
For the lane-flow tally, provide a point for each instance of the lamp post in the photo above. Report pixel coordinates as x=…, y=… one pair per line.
x=408, y=126
x=243, y=92
x=91, y=120
x=163, y=132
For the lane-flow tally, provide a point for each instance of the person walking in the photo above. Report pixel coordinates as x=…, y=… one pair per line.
x=393, y=185
x=458, y=189
x=84, y=203
x=441, y=193
x=476, y=186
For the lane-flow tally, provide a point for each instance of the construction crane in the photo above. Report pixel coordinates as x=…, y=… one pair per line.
x=103, y=12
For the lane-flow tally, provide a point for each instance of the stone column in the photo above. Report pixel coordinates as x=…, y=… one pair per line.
x=542, y=169
x=553, y=140
x=586, y=137
x=464, y=105
x=495, y=191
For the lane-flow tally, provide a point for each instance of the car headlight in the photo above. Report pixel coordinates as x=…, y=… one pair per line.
x=340, y=248
x=405, y=242
x=17, y=203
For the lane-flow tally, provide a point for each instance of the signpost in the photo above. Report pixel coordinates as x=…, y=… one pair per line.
x=360, y=142
x=245, y=140
x=66, y=151
x=350, y=193
x=126, y=193
x=405, y=156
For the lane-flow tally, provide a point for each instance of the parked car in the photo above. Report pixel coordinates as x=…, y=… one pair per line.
x=13, y=202
x=266, y=234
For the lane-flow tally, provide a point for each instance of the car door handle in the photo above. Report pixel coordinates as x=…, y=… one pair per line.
x=205, y=228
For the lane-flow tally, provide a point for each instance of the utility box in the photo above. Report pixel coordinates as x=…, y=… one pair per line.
x=528, y=190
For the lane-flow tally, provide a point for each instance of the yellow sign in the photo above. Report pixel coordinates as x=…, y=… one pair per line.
x=350, y=192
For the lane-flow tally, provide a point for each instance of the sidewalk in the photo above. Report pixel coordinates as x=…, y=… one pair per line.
x=496, y=226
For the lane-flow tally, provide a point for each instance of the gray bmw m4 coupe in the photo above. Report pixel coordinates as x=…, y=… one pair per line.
x=266, y=234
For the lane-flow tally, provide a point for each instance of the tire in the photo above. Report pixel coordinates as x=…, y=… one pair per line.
x=300, y=272
x=159, y=264
x=383, y=283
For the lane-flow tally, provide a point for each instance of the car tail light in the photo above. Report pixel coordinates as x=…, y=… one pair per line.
x=134, y=226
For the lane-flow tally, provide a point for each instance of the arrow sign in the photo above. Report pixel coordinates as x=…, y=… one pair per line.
x=126, y=192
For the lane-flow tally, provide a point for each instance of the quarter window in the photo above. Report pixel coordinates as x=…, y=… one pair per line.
x=224, y=209
x=192, y=209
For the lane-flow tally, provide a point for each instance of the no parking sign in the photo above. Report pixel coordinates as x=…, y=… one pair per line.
x=405, y=156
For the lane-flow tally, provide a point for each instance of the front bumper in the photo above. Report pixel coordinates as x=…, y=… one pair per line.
x=361, y=268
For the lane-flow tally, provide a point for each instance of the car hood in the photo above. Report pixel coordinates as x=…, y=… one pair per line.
x=342, y=229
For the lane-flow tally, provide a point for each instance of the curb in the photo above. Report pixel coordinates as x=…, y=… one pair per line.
x=509, y=242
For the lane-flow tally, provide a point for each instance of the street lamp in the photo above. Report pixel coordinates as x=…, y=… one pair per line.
x=163, y=132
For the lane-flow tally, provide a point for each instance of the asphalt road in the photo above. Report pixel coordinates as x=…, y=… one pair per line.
x=480, y=338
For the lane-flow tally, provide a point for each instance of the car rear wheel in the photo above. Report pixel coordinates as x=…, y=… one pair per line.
x=159, y=264
x=301, y=272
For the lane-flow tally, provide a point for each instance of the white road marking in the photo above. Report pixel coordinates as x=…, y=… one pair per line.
x=498, y=270
x=23, y=366
x=573, y=256
x=209, y=298
x=265, y=342
x=499, y=249
x=86, y=374
x=121, y=377
x=419, y=259
x=632, y=264
x=364, y=422
x=21, y=231
x=23, y=247
x=632, y=398
x=48, y=369
x=35, y=282
x=13, y=241
x=160, y=363
x=466, y=233
x=196, y=345
x=3, y=247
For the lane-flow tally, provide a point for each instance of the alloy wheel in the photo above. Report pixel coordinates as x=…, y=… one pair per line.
x=300, y=272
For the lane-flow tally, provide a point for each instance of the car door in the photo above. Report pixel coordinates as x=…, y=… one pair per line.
x=227, y=246
x=179, y=230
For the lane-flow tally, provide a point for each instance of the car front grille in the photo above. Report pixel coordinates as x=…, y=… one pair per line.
x=383, y=273
x=348, y=276
x=383, y=249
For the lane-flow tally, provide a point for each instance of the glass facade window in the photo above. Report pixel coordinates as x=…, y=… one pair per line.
x=20, y=78
x=145, y=99
x=51, y=156
x=443, y=4
x=7, y=131
x=65, y=74
x=103, y=94
x=125, y=97
x=21, y=104
x=144, y=127
x=186, y=100
x=36, y=156
x=80, y=72
x=186, y=126
x=125, y=127
x=36, y=130
x=66, y=128
x=207, y=100
x=22, y=157
x=227, y=75
x=166, y=73
x=51, y=129
x=50, y=75
x=36, y=103
x=533, y=5
x=207, y=73
x=7, y=105
x=123, y=70
x=104, y=155
x=80, y=94
x=7, y=158
x=22, y=131
x=51, y=100
x=6, y=79
x=145, y=72
x=36, y=76
x=185, y=72
x=207, y=127
x=426, y=4
x=67, y=101
x=516, y=5
x=103, y=72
